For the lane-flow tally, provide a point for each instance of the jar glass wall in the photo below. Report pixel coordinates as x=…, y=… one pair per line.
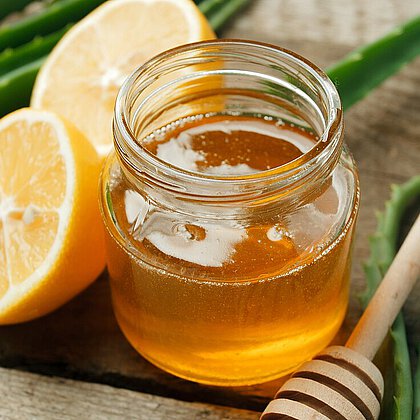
x=233, y=274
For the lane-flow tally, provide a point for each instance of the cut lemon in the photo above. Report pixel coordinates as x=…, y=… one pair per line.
x=81, y=77
x=51, y=243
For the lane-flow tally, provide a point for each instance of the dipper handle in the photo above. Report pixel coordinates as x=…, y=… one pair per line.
x=388, y=300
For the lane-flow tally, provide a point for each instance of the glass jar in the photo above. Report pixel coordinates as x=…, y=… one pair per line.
x=180, y=297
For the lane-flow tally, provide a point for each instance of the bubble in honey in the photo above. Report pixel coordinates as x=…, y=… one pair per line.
x=277, y=233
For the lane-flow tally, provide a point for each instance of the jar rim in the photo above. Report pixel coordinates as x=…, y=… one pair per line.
x=130, y=146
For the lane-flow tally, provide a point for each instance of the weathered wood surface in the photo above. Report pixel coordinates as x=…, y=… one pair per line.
x=30, y=396
x=82, y=340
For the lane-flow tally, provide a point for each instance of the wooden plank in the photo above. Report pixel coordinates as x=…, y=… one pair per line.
x=82, y=340
x=30, y=396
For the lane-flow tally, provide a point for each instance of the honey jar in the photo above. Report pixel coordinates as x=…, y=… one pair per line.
x=229, y=206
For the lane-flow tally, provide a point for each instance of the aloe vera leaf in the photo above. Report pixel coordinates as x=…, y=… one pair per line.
x=383, y=247
x=383, y=243
x=402, y=380
x=40, y=46
x=209, y=6
x=52, y=18
x=16, y=86
x=218, y=12
x=365, y=68
x=416, y=407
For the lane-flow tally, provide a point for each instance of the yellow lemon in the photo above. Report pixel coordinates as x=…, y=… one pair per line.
x=51, y=242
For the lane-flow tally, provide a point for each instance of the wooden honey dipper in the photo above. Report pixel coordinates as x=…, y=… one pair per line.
x=342, y=383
